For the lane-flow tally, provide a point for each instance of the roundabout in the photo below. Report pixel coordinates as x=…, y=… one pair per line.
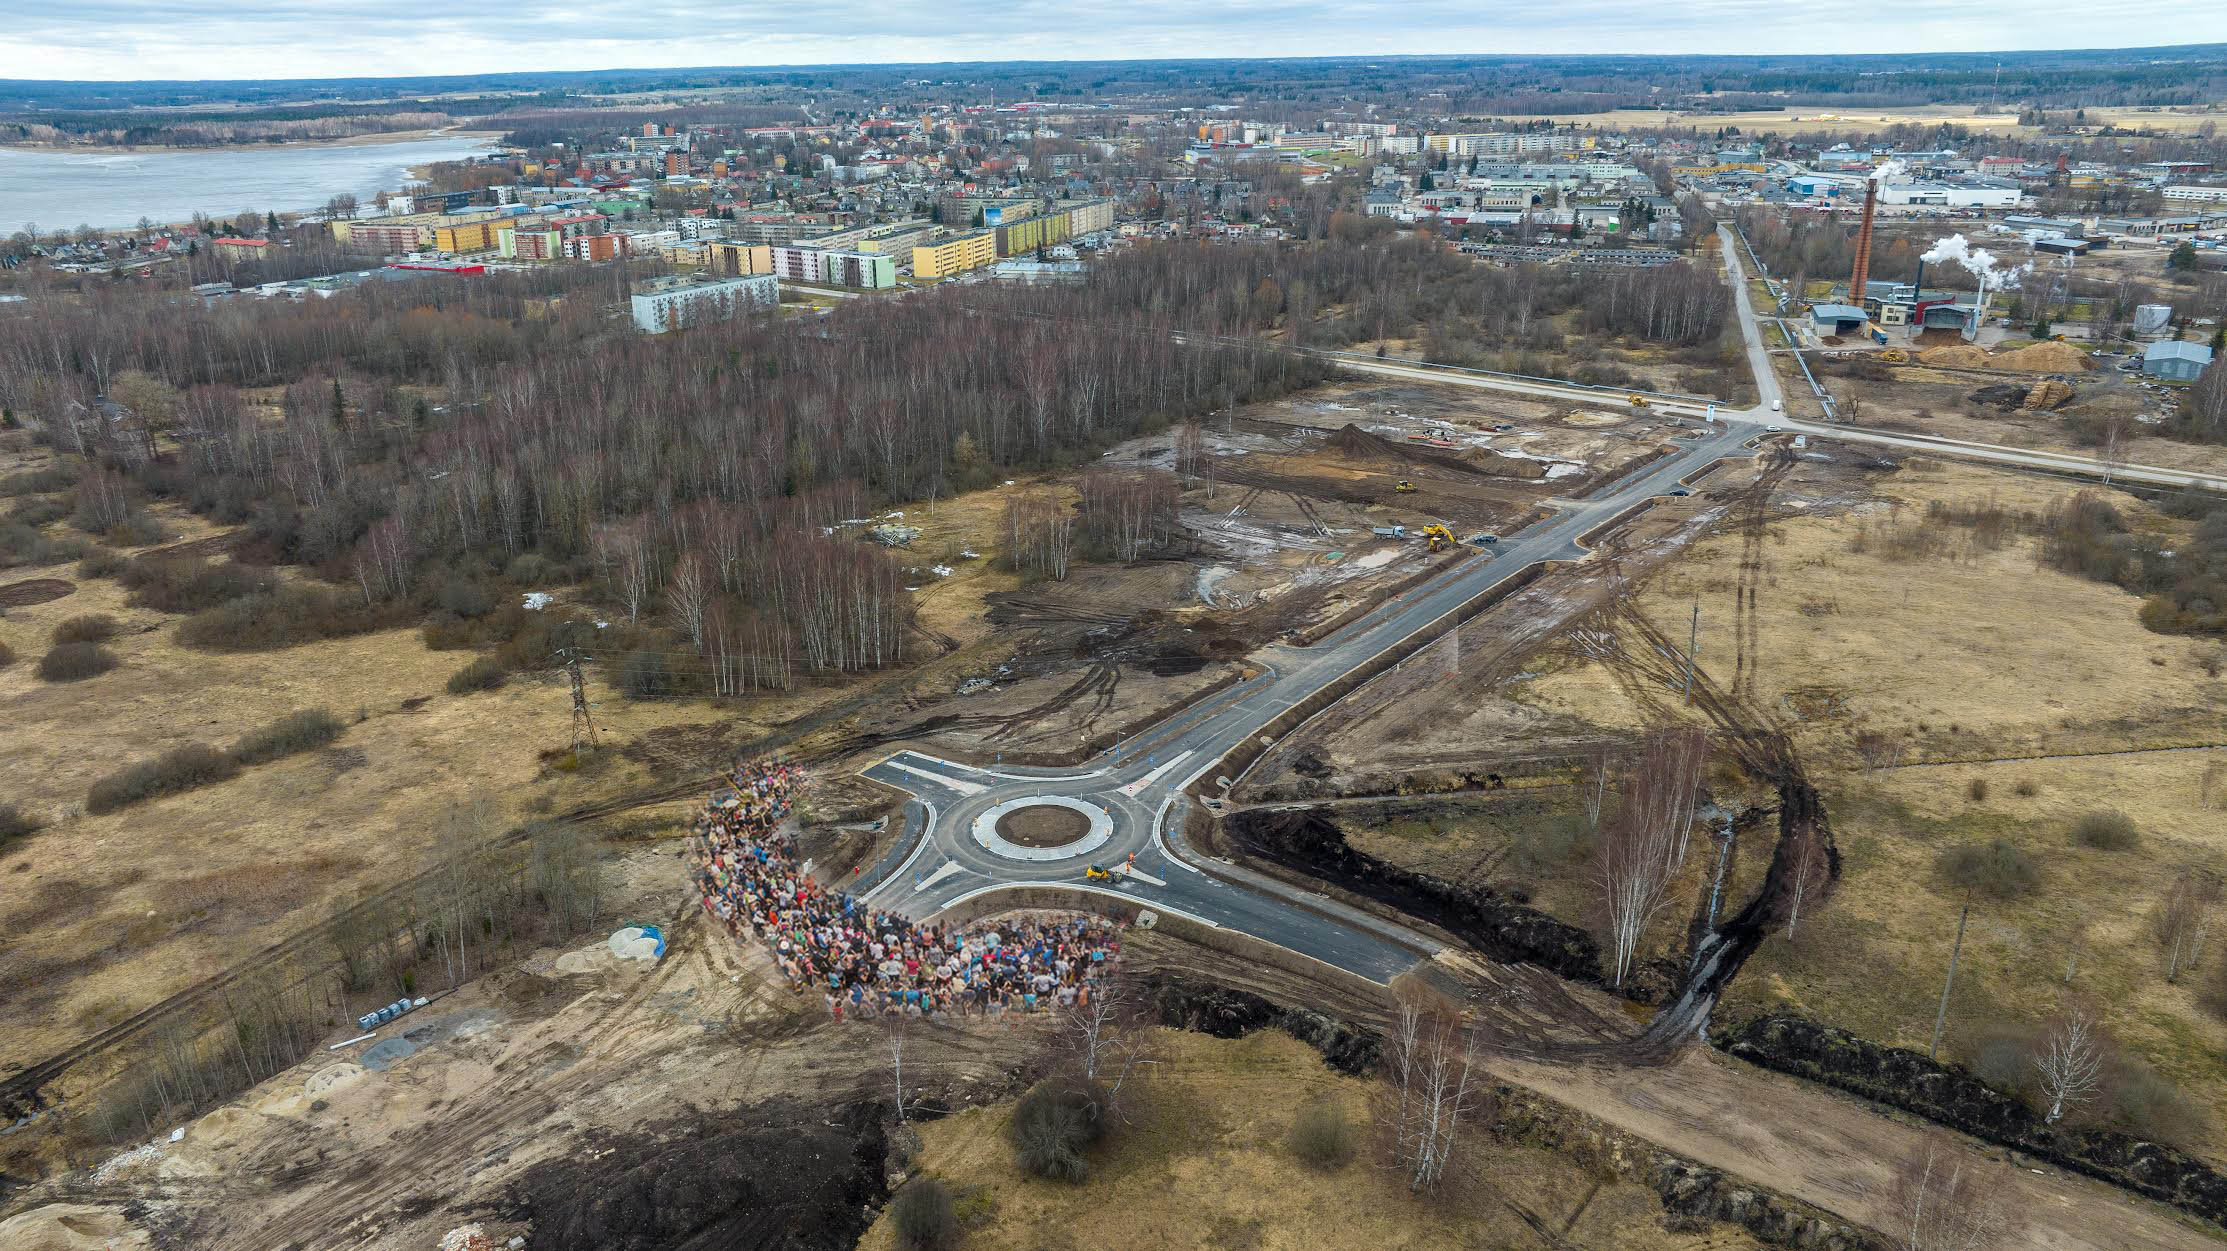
x=1043, y=828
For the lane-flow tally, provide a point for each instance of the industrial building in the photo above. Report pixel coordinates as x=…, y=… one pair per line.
x=2174, y=361
x=670, y=303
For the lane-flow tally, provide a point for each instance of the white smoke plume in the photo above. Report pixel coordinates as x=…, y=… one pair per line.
x=1979, y=262
x=1891, y=169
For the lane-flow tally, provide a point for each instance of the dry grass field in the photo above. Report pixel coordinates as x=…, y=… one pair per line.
x=1207, y=1164
x=2000, y=700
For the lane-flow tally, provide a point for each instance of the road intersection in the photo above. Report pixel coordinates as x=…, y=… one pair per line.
x=1134, y=794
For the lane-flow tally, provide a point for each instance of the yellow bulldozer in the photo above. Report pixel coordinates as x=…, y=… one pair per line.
x=1403, y=487
x=1639, y=401
x=1436, y=535
x=1895, y=356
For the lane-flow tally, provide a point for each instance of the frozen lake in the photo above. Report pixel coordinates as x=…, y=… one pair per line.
x=63, y=190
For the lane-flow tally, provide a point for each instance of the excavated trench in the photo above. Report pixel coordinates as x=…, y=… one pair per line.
x=1310, y=841
x=784, y=1177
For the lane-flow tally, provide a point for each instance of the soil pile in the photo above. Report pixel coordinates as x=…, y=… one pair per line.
x=1226, y=1012
x=2042, y=358
x=1948, y=1094
x=1960, y=356
x=779, y=1178
x=1354, y=443
x=2036, y=358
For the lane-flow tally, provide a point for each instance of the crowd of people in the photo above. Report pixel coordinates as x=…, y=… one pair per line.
x=867, y=963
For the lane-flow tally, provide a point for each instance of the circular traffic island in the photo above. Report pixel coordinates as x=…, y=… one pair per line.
x=1043, y=826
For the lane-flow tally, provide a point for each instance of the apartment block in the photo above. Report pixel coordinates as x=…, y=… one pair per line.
x=672, y=303
x=954, y=256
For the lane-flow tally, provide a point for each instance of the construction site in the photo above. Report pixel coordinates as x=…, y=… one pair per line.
x=529, y=1027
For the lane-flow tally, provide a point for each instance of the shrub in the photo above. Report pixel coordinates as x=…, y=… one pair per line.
x=285, y=617
x=645, y=675
x=2148, y=1106
x=59, y=476
x=1994, y=867
x=38, y=512
x=532, y=569
x=7, y=655
x=136, y=530
x=1054, y=1123
x=2106, y=830
x=2026, y=788
x=71, y=662
x=24, y=545
x=2003, y=1058
x=103, y=562
x=484, y=674
x=93, y=627
x=923, y=1215
x=15, y=823
x=290, y=734
x=1977, y=789
x=179, y=769
x=1322, y=1136
x=186, y=584
x=466, y=599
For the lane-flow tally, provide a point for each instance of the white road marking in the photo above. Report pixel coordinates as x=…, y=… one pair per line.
x=1081, y=886
x=1148, y=779
x=949, y=867
x=994, y=773
x=960, y=785
x=1137, y=875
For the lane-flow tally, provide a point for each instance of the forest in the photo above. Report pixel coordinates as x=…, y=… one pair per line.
x=427, y=449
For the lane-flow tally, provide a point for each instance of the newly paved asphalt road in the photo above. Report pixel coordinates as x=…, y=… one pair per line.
x=955, y=853
x=952, y=853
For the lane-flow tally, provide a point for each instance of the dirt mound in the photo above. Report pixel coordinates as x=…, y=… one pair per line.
x=1960, y=356
x=34, y=591
x=1354, y=442
x=1952, y=1096
x=2034, y=358
x=1226, y=1012
x=2042, y=358
x=778, y=1178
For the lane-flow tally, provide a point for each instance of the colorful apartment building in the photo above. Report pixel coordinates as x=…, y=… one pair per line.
x=1025, y=236
x=954, y=256
x=477, y=235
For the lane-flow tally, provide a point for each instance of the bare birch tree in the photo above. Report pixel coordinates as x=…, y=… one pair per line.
x=2068, y=1062
x=1434, y=1072
x=1109, y=1037
x=689, y=592
x=1808, y=873
x=2183, y=919
x=1940, y=1199
x=1644, y=845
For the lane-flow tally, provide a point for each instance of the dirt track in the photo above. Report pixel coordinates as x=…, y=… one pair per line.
x=1833, y=1151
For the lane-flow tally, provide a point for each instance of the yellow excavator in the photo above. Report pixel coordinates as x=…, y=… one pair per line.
x=1403, y=487
x=1437, y=535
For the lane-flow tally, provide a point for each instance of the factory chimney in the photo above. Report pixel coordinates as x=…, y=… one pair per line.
x=1862, y=268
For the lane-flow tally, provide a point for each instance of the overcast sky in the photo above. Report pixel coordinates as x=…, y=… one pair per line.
x=126, y=39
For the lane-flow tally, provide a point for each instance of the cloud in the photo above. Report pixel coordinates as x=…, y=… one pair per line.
x=193, y=39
